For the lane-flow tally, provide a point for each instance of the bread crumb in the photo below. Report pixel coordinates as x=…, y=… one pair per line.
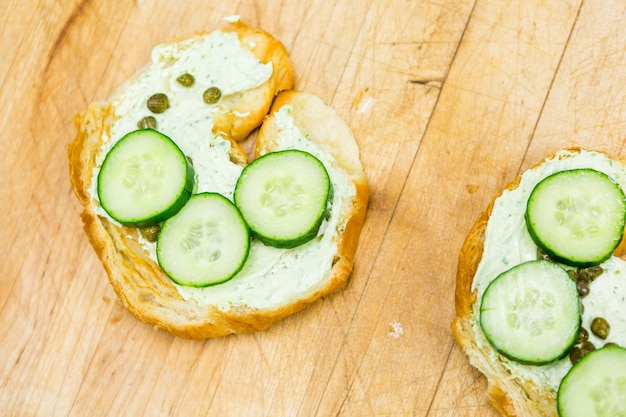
x=366, y=104
x=363, y=102
x=395, y=329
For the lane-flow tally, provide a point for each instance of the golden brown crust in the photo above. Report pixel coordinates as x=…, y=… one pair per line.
x=465, y=298
x=511, y=396
x=255, y=104
x=138, y=281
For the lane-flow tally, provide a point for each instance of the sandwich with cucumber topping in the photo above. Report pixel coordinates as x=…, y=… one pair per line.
x=197, y=239
x=541, y=290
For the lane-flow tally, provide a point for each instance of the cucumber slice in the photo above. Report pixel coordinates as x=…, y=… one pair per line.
x=595, y=386
x=283, y=197
x=577, y=216
x=531, y=313
x=205, y=243
x=144, y=179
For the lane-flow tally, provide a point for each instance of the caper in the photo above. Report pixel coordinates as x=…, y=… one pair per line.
x=583, y=336
x=610, y=344
x=579, y=351
x=150, y=233
x=587, y=346
x=576, y=354
x=158, y=103
x=589, y=274
x=148, y=122
x=600, y=327
x=542, y=256
x=186, y=80
x=572, y=274
x=582, y=287
x=212, y=95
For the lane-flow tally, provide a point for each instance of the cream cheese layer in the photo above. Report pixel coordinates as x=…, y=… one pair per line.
x=271, y=276
x=508, y=243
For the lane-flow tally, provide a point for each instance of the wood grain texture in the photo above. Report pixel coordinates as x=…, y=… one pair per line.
x=449, y=101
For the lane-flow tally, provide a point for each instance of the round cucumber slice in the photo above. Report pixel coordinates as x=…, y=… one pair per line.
x=283, y=197
x=206, y=243
x=144, y=179
x=531, y=312
x=577, y=216
x=595, y=386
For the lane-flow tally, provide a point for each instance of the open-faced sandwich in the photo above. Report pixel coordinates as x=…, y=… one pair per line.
x=541, y=290
x=196, y=239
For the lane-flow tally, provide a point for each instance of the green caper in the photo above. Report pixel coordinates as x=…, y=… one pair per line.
x=212, y=95
x=600, y=327
x=589, y=274
x=542, y=256
x=583, y=336
x=610, y=344
x=186, y=80
x=588, y=346
x=575, y=355
x=582, y=287
x=572, y=274
x=579, y=351
x=150, y=233
x=148, y=122
x=158, y=103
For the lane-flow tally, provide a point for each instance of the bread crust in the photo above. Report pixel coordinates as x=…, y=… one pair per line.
x=509, y=394
x=255, y=103
x=138, y=281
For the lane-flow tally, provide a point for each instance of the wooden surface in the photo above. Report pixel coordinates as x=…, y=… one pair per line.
x=448, y=99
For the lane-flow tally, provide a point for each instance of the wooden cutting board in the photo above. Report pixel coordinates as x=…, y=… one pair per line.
x=449, y=101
